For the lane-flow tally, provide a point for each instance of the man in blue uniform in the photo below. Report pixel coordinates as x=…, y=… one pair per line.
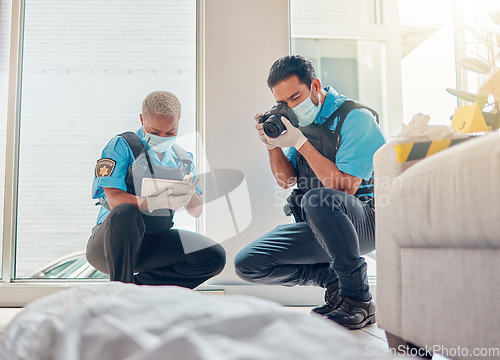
x=329, y=156
x=133, y=240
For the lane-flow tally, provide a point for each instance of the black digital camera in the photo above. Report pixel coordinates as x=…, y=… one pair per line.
x=273, y=126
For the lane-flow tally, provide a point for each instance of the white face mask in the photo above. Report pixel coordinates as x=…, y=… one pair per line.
x=159, y=144
x=306, y=112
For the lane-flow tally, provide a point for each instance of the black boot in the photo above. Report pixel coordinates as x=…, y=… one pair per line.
x=353, y=314
x=331, y=298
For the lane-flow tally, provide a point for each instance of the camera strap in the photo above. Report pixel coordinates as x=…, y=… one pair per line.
x=134, y=143
x=342, y=112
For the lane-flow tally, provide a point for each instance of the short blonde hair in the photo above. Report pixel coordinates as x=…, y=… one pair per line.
x=162, y=103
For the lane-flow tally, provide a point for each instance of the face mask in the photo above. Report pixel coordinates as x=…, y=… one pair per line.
x=306, y=112
x=159, y=144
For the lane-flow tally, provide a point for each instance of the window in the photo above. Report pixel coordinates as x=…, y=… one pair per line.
x=5, y=11
x=87, y=67
x=435, y=36
x=428, y=59
x=478, y=42
x=355, y=68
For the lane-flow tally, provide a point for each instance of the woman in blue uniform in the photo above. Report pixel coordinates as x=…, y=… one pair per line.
x=134, y=241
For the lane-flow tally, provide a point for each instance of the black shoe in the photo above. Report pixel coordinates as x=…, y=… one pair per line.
x=331, y=298
x=353, y=314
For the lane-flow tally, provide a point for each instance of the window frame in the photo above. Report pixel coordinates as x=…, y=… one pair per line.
x=13, y=135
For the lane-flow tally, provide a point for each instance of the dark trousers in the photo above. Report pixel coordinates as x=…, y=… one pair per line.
x=338, y=228
x=122, y=246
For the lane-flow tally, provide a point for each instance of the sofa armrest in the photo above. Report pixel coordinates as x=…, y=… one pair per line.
x=449, y=200
x=389, y=286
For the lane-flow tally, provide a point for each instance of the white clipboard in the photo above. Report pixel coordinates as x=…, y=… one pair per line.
x=152, y=187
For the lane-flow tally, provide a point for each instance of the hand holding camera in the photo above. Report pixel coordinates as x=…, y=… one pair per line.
x=262, y=135
x=292, y=137
x=280, y=127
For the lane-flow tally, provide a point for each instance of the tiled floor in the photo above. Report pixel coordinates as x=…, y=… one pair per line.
x=371, y=335
x=6, y=315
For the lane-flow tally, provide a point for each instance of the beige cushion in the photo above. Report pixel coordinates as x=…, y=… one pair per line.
x=450, y=199
x=449, y=299
x=388, y=252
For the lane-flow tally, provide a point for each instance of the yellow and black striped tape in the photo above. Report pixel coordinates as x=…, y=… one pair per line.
x=420, y=150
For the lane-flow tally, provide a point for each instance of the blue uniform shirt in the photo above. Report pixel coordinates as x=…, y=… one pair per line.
x=360, y=137
x=118, y=150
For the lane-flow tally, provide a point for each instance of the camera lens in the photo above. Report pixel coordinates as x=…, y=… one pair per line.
x=273, y=126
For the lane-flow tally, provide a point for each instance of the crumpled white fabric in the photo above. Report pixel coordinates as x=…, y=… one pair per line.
x=419, y=130
x=125, y=321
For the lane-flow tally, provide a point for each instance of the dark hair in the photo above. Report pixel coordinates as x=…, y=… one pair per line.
x=291, y=65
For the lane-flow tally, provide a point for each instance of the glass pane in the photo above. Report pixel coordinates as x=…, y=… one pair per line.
x=481, y=42
x=56, y=271
x=333, y=12
x=428, y=59
x=5, y=15
x=87, y=67
x=355, y=68
x=98, y=275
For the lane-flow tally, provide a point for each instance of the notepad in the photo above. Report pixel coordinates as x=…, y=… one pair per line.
x=152, y=187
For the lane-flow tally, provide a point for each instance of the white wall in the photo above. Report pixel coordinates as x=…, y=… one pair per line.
x=242, y=40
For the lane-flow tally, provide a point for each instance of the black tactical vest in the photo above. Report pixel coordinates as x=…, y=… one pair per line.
x=143, y=167
x=327, y=143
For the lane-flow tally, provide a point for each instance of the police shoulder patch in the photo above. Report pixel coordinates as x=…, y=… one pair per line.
x=104, y=167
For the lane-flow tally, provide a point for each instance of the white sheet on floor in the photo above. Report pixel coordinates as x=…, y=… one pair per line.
x=124, y=321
